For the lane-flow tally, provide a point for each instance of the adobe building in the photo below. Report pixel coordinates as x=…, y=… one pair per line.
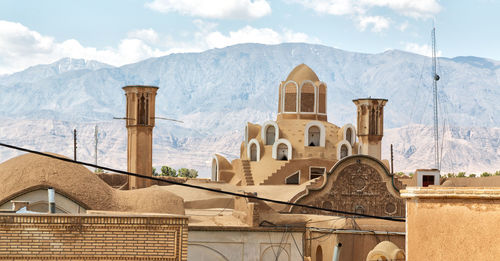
x=312, y=160
x=300, y=157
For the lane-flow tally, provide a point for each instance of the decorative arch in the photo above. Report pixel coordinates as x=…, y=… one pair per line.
x=322, y=133
x=308, y=97
x=215, y=168
x=349, y=127
x=339, y=148
x=253, y=155
x=359, y=174
x=264, y=132
x=290, y=97
x=286, y=143
x=269, y=253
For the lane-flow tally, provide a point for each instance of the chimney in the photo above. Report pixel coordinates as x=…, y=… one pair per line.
x=140, y=121
x=370, y=125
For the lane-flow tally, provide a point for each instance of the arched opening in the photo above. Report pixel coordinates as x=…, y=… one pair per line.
x=314, y=135
x=290, y=97
x=322, y=98
x=348, y=135
x=319, y=253
x=214, y=170
x=293, y=179
x=270, y=135
x=307, y=97
x=253, y=152
x=344, y=151
x=282, y=153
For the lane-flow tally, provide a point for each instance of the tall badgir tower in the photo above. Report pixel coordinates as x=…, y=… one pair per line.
x=337, y=166
x=140, y=121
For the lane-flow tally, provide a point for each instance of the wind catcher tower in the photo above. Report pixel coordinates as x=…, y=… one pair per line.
x=140, y=121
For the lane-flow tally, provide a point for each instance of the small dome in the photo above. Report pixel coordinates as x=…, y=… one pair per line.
x=29, y=171
x=301, y=73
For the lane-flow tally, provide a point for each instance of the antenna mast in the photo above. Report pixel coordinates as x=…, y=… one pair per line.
x=435, y=79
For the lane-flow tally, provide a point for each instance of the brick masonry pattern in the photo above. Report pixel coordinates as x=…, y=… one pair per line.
x=70, y=237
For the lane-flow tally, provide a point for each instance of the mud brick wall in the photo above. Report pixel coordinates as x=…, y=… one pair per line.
x=98, y=237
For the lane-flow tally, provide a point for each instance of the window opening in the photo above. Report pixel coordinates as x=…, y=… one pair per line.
x=317, y=172
x=293, y=179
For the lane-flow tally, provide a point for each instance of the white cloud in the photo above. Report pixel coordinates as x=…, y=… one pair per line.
x=402, y=27
x=148, y=35
x=21, y=47
x=249, y=34
x=239, y=9
x=423, y=49
x=377, y=23
x=411, y=8
x=358, y=10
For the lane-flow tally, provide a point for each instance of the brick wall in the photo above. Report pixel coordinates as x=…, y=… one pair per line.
x=38, y=236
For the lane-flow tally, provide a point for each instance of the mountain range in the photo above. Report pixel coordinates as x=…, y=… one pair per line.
x=217, y=91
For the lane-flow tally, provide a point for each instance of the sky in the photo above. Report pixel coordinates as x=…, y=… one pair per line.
x=119, y=32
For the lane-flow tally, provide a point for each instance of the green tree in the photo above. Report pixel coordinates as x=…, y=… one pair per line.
x=168, y=171
x=154, y=172
x=451, y=175
x=461, y=174
x=485, y=174
x=497, y=173
x=472, y=175
x=187, y=173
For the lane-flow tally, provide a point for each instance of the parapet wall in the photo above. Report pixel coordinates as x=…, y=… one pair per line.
x=95, y=237
x=451, y=223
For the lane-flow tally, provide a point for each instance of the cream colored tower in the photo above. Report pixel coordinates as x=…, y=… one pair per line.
x=140, y=123
x=370, y=125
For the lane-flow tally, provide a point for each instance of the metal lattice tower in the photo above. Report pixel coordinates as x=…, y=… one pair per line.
x=435, y=79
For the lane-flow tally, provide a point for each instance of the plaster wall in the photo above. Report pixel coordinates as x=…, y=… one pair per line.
x=244, y=245
x=452, y=223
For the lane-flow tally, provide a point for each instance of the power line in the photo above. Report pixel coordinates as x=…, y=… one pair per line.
x=199, y=187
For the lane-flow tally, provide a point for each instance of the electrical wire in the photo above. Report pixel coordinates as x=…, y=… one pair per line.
x=199, y=187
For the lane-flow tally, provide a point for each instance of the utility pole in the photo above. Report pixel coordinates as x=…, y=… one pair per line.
x=392, y=161
x=74, y=144
x=95, y=137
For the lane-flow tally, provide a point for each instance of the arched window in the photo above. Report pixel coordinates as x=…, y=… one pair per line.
x=348, y=135
x=314, y=136
x=344, y=152
x=344, y=149
x=270, y=135
x=293, y=179
x=282, y=152
x=319, y=253
x=215, y=169
x=322, y=98
x=253, y=150
x=269, y=132
x=307, y=97
x=290, y=97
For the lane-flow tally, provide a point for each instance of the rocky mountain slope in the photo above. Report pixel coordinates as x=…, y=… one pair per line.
x=216, y=92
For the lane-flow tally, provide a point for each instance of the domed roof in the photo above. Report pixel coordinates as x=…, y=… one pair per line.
x=27, y=172
x=30, y=172
x=301, y=73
